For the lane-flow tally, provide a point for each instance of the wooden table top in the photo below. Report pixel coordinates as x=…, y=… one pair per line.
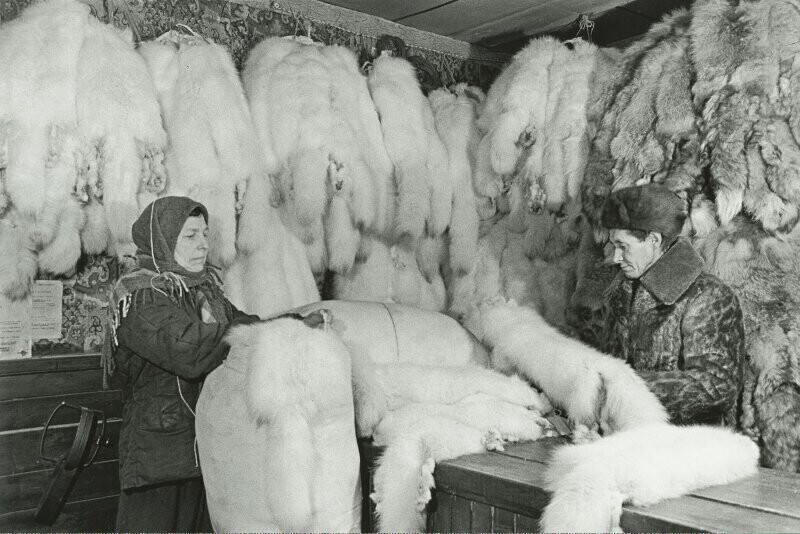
x=513, y=480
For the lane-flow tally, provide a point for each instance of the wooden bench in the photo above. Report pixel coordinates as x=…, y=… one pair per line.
x=502, y=492
x=29, y=390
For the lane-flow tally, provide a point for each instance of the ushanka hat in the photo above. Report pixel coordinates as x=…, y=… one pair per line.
x=650, y=208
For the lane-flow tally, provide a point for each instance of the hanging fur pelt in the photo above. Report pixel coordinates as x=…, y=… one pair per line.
x=120, y=118
x=642, y=466
x=594, y=389
x=38, y=73
x=18, y=265
x=259, y=68
x=212, y=140
x=455, y=123
x=403, y=111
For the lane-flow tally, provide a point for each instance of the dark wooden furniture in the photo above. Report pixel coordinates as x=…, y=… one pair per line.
x=29, y=390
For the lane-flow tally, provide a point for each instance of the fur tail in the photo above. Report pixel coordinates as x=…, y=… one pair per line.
x=591, y=482
x=398, y=485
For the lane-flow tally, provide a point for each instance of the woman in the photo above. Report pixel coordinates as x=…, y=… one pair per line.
x=169, y=323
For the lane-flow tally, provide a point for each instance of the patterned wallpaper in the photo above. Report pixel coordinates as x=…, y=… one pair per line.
x=84, y=308
x=240, y=27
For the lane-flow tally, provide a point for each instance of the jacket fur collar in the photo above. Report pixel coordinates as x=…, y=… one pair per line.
x=672, y=275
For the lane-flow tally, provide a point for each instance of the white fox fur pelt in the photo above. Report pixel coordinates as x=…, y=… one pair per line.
x=38, y=74
x=120, y=118
x=271, y=273
x=403, y=112
x=257, y=73
x=570, y=123
x=521, y=106
x=212, y=139
x=367, y=160
x=380, y=388
x=289, y=382
x=303, y=130
x=426, y=414
x=58, y=226
x=455, y=123
x=18, y=262
x=593, y=388
x=642, y=466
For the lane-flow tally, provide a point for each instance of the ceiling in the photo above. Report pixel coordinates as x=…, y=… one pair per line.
x=506, y=25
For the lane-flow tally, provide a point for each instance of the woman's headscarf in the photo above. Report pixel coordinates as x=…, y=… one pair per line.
x=156, y=233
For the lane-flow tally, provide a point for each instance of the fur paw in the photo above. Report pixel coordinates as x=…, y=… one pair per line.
x=584, y=434
x=426, y=483
x=493, y=441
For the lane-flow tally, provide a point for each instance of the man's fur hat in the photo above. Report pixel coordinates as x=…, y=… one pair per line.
x=651, y=208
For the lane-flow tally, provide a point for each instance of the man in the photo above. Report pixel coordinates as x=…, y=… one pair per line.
x=680, y=328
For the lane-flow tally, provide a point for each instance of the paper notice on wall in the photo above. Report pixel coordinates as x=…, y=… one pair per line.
x=46, y=296
x=15, y=328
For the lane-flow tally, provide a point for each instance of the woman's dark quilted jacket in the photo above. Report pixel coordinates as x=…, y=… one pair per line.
x=164, y=343
x=682, y=330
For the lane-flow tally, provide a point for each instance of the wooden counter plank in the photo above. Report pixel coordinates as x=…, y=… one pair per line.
x=33, y=412
x=533, y=451
x=480, y=517
x=19, y=451
x=60, y=382
x=23, y=491
x=769, y=490
x=461, y=515
x=440, y=512
x=503, y=520
x=694, y=514
x=91, y=515
x=46, y=364
x=523, y=523
x=501, y=481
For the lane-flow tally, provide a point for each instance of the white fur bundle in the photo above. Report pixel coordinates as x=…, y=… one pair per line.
x=296, y=375
x=120, y=119
x=212, y=140
x=455, y=123
x=407, y=132
x=642, y=466
x=571, y=374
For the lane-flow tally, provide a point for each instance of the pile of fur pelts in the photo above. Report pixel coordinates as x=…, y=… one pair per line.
x=708, y=103
x=425, y=414
x=81, y=141
x=371, y=176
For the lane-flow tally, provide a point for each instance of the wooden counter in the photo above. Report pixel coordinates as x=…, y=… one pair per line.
x=502, y=492
x=29, y=390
